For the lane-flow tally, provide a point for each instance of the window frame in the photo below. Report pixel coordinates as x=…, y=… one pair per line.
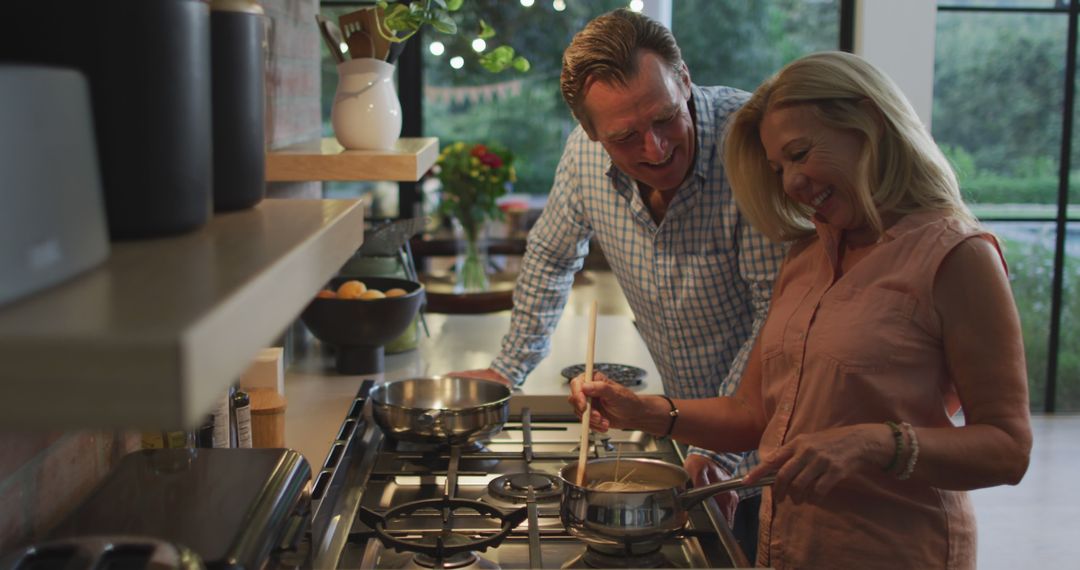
x=1061, y=218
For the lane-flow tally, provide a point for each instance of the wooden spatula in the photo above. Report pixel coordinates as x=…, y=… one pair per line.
x=360, y=44
x=364, y=20
x=333, y=43
x=372, y=17
x=583, y=451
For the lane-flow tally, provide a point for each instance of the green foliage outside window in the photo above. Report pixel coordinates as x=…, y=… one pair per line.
x=739, y=43
x=724, y=42
x=998, y=102
x=1031, y=265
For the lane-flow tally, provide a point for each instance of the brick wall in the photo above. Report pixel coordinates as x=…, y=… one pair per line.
x=293, y=107
x=44, y=475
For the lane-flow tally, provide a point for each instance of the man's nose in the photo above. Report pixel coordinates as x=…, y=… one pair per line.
x=654, y=146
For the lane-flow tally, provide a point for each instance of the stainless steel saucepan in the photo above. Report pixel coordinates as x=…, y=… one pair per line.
x=638, y=521
x=443, y=409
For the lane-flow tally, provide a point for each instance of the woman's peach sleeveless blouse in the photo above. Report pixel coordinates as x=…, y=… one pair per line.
x=863, y=348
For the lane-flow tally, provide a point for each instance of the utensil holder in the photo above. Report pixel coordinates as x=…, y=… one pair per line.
x=366, y=113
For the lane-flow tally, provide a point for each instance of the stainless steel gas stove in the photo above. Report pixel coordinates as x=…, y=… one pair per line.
x=384, y=504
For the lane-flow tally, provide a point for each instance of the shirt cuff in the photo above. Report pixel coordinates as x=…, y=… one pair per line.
x=516, y=376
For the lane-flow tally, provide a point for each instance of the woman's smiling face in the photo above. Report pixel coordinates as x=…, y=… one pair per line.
x=818, y=165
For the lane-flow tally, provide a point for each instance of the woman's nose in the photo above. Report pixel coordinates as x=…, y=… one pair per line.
x=794, y=183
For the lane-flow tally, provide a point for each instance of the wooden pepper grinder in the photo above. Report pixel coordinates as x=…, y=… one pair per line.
x=267, y=418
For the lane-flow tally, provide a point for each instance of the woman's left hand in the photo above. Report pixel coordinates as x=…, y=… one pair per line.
x=809, y=467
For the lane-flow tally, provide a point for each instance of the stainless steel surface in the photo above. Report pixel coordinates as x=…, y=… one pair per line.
x=405, y=472
x=638, y=521
x=695, y=496
x=635, y=521
x=445, y=409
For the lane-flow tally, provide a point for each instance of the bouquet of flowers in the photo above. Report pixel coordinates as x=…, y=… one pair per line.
x=473, y=177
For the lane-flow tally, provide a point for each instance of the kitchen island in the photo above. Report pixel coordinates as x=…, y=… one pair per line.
x=318, y=398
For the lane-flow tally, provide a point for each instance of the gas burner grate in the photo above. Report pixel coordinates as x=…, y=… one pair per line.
x=442, y=545
x=515, y=487
x=593, y=558
x=461, y=561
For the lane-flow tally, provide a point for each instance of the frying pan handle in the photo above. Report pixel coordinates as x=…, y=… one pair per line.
x=695, y=496
x=428, y=419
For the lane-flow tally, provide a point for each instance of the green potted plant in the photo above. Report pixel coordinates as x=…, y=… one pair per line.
x=401, y=21
x=473, y=178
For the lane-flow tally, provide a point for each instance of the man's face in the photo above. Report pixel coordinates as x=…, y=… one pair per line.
x=646, y=125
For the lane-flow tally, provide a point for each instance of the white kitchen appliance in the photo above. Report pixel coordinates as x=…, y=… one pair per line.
x=52, y=217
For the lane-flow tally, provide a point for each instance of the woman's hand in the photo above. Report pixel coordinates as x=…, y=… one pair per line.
x=809, y=467
x=613, y=405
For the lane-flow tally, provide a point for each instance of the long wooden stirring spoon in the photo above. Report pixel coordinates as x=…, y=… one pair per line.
x=589, y=354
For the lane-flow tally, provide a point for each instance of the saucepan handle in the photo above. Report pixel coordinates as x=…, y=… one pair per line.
x=695, y=496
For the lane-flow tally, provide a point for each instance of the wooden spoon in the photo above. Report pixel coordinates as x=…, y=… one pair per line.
x=332, y=36
x=589, y=354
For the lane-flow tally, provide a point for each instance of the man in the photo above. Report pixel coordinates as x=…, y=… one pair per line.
x=643, y=177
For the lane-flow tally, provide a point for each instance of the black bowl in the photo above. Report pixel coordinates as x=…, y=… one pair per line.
x=359, y=328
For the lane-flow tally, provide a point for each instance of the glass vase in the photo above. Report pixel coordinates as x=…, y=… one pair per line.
x=471, y=265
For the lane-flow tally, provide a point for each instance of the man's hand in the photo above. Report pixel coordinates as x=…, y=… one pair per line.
x=483, y=374
x=705, y=471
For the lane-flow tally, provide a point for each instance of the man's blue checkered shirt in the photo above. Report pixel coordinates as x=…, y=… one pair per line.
x=698, y=283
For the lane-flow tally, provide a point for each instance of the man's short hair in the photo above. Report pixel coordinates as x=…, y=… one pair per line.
x=606, y=50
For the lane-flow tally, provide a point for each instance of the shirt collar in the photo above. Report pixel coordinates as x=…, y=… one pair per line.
x=830, y=236
x=705, y=130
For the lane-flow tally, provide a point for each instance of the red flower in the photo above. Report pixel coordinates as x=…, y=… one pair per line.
x=491, y=160
x=479, y=151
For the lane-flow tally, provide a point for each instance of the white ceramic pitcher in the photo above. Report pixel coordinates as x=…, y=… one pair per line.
x=366, y=114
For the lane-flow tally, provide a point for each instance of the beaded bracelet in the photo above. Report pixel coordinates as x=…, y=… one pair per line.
x=910, y=468
x=898, y=449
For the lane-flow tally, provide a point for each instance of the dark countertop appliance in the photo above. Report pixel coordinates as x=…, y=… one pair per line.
x=234, y=508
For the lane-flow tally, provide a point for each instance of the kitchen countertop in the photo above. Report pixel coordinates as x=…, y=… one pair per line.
x=318, y=399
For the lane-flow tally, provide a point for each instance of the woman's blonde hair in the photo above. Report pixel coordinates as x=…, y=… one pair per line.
x=902, y=168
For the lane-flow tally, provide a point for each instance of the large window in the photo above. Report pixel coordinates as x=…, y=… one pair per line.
x=1001, y=114
x=730, y=42
x=741, y=43
x=725, y=42
x=523, y=112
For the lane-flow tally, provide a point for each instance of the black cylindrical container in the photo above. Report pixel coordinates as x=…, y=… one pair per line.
x=151, y=91
x=148, y=63
x=237, y=39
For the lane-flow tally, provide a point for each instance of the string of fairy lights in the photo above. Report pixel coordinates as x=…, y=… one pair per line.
x=437, y=48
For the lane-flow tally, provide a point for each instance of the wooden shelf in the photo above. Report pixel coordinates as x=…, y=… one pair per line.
x=153, y=336
x=326, y=159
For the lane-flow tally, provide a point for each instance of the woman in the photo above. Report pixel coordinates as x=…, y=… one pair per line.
x=892, y=311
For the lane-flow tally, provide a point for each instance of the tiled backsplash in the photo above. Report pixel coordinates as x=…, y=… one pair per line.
x=44, y=475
